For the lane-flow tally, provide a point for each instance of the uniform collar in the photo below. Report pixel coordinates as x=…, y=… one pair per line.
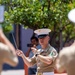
x=45, y=50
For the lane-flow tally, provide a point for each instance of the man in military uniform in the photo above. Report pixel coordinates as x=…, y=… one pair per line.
x=44, y=57
x=66, y=58
x=7, y=52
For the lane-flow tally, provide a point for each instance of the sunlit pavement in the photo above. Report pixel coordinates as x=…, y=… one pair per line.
x=61, y=74
x=13, y=72
x=20, y=72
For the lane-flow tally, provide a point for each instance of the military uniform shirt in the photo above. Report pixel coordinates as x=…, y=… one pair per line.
x=66, y=60
x=41, y=66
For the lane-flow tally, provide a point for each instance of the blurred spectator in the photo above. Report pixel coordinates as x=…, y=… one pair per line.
x=34, y=43
x=7, y=52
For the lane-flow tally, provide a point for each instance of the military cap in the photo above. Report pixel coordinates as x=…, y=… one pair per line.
x=71, y=15
x=42, y=32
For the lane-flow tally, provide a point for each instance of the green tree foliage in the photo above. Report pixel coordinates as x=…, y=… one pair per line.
x=36, y=14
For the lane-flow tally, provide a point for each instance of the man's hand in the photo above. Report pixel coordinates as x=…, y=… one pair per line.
x=19, y=53
x=34, y=50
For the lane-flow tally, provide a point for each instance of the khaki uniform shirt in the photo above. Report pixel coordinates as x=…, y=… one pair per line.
x=6, y=56
x=41, y=66
x=66, y=60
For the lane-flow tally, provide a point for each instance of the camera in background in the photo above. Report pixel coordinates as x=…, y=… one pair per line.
x=29, y=45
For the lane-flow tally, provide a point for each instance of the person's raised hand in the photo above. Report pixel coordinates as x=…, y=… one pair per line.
x=19, y=53
x=34, y=50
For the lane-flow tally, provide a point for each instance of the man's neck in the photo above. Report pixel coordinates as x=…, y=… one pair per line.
x=44, y=47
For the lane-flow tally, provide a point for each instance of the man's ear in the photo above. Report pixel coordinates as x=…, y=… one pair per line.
x=48, y=37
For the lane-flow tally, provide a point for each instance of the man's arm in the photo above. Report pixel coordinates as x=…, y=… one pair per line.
x=46, y=59
x=59, y=66
x=26, y=60
x=27, y=53
x=61, y=61
x=4, y=40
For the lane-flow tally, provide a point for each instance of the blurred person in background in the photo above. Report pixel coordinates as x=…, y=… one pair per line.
x=7, y=52
x=30, y=54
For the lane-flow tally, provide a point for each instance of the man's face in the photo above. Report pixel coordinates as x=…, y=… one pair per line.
x=34, y=42
x=44, y=40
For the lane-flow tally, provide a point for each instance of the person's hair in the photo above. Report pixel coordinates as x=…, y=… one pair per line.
x=33, y=37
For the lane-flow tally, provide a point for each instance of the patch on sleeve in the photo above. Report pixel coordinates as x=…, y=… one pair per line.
x=53, y=53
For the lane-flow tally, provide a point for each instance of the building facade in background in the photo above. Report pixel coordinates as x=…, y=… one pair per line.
x=22, y=37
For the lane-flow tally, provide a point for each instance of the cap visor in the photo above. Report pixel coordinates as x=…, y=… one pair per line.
x=41, y=36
